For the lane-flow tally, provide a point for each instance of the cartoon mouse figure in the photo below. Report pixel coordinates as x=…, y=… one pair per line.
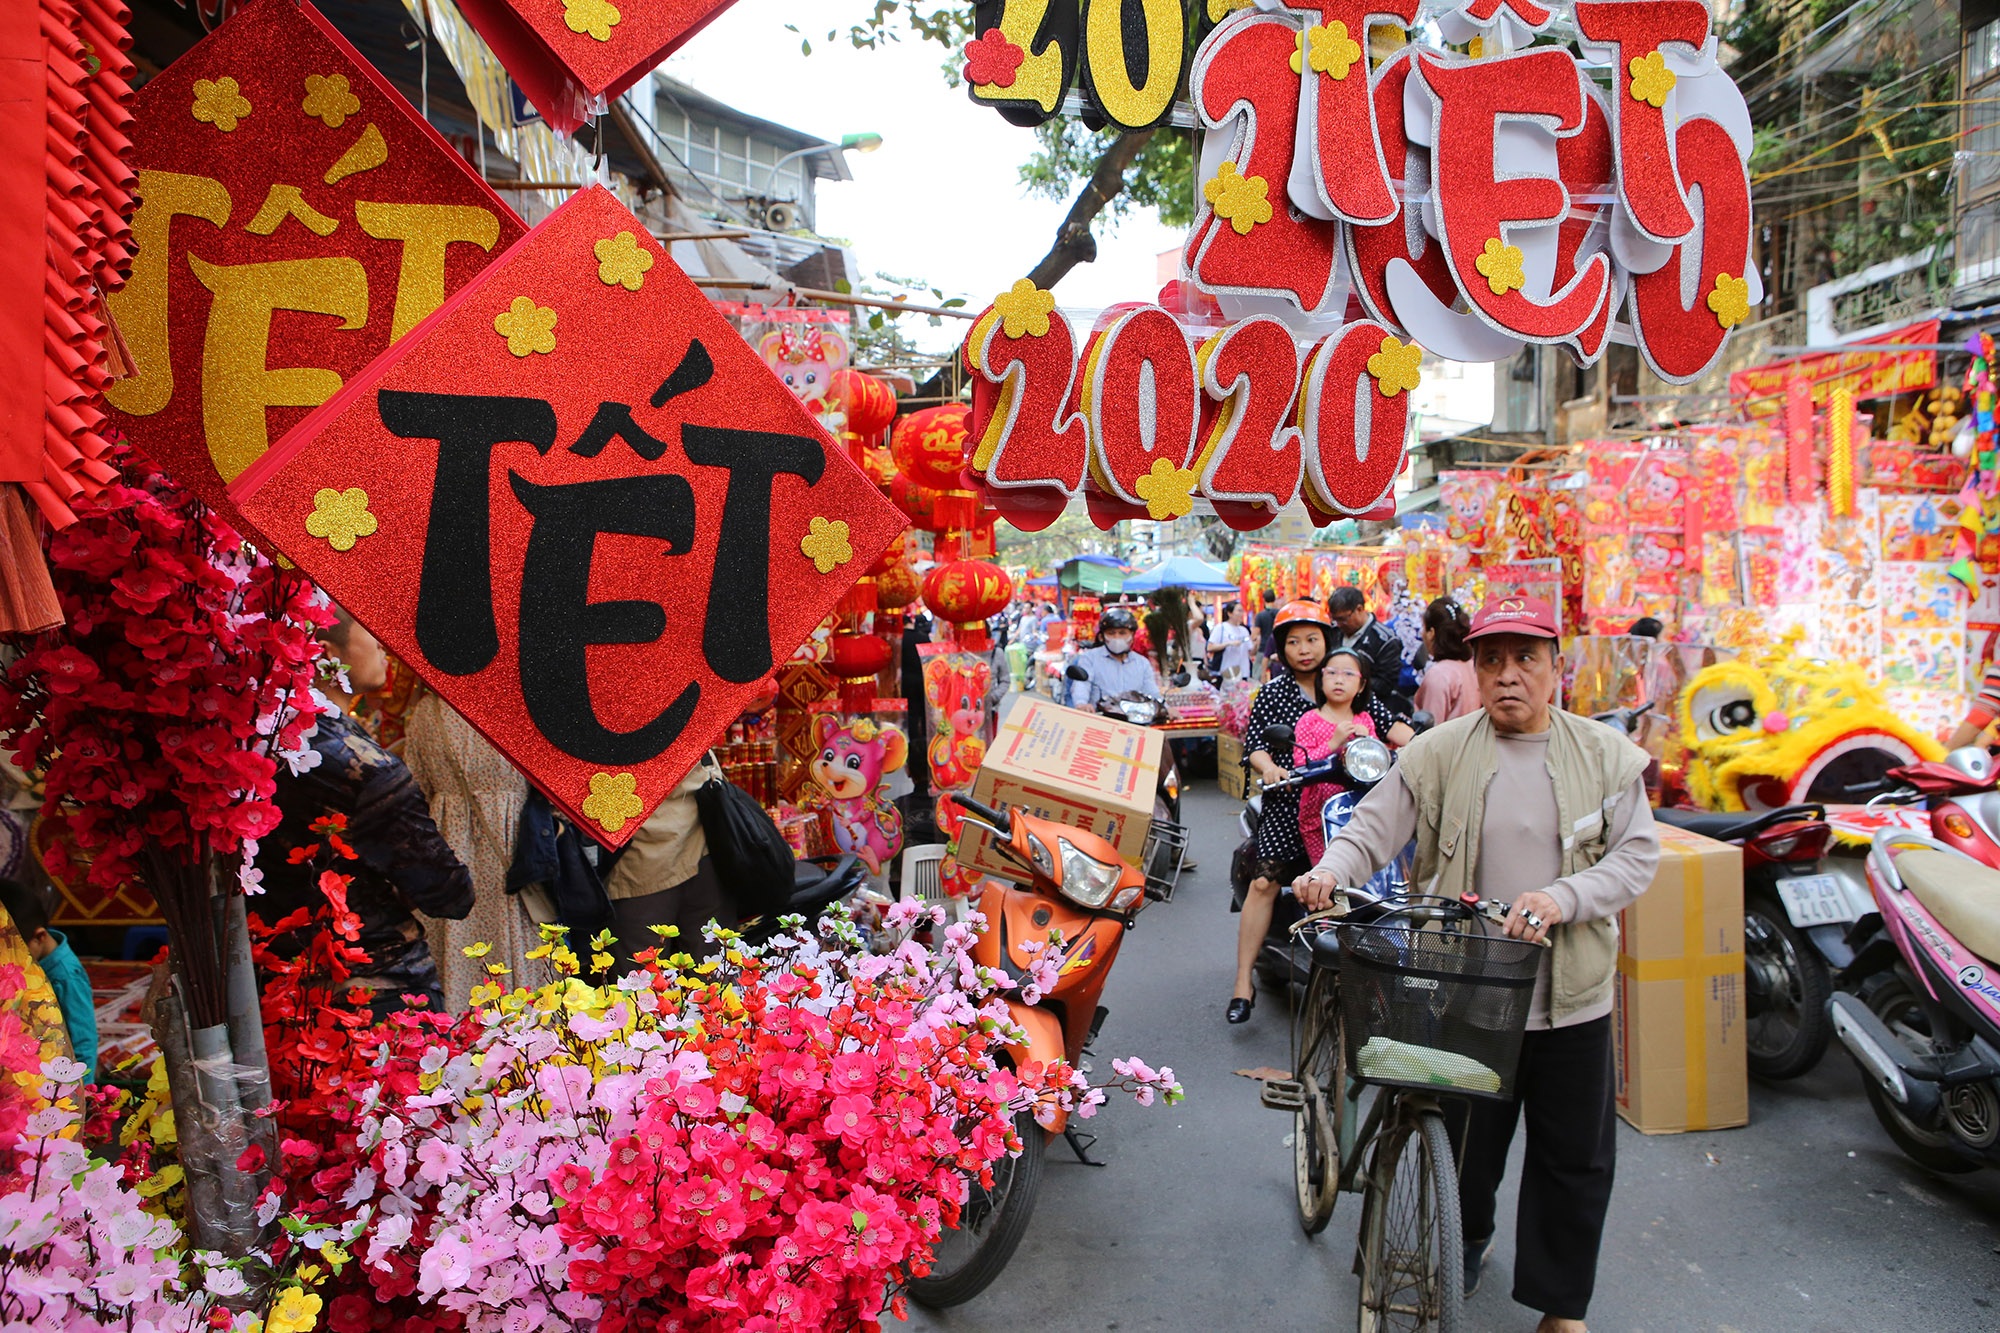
x=805, y=358
x=956, y=685
x=853, y=759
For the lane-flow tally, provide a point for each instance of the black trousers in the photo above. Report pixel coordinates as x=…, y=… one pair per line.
x=1565, y=1088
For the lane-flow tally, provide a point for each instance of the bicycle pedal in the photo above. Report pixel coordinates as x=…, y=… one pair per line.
x=1284, y=1094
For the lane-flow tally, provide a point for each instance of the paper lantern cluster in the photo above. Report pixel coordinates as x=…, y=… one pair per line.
x=1471, y=205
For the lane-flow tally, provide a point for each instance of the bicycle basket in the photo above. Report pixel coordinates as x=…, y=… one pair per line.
x=1434, y=996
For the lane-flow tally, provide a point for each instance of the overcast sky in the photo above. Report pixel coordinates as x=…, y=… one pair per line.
x=941, y=200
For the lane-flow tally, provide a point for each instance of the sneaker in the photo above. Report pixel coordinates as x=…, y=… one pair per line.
x=1475, y=1259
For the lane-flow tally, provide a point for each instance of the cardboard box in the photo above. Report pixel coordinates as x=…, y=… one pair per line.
x=1229, y=773
x=1679, y=1019
x=1077, y=768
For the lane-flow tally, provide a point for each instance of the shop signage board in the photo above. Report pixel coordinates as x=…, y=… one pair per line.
x=1468, y=206
x=296, y=215
x=579, y=505
x=1871, y=373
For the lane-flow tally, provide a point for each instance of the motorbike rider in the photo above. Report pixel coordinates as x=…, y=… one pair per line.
x=1113, y=667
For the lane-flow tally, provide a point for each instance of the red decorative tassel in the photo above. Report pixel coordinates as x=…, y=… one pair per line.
x=1799, y=440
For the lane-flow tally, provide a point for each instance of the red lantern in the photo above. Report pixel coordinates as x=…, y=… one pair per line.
x=891, y=556
x=919, y=502
x=869, y=403
x=878, y=466
x=965, y=593
x=857, y=659
x=929, y=446
x=896, y=588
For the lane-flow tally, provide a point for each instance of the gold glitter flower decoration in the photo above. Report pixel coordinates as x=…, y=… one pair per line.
x=341, y=517
x=1218, y=10
x=329, y=99
x=620, y=261
x=1501, y=266
x=1167, y=490
x=1730, y=300
x=594, y=18
x=220, y=102
x=1651, y=79
x=1395, y=367
x=1025, y=310
x=527, y=327
x=1240, y=200
x=1330, y=51
x=825, y=544
x=613, y=801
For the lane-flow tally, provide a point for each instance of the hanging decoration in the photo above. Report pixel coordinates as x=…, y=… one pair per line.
x=956, y=682
x=851, y=768
x=296, y=216
x=867, y=404
x=571, y=57
x=964, y=593
x=1840, y=452
x=580, y=508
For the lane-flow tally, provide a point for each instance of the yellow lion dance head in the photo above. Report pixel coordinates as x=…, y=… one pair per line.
x=1780, y=729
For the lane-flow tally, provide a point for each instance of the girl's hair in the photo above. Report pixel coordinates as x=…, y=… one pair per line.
x=1446, y=621
x=1362, y=697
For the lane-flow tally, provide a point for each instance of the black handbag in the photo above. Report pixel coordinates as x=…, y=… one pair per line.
x=553, y=852
x=750, y=856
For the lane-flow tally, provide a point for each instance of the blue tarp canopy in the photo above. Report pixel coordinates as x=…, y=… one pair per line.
x=1045, y=581
x=1183, y=571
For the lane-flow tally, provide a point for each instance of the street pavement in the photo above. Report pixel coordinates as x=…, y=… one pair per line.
x=1808, y=1219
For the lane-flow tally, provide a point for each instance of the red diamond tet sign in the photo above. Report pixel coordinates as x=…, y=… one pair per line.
x=569, y=56
x=579, y=505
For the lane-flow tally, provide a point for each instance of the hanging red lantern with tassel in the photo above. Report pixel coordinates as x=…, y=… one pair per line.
x=892, y=555
x=857, y=659
x=929, y=446
x=966, y=592
x=870, y=405
x=918, y=502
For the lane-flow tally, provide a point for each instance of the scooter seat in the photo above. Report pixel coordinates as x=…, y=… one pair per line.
x=1961, y=893
x=1731, y=825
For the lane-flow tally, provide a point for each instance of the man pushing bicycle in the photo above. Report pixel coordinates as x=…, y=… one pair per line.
x=1545, y=810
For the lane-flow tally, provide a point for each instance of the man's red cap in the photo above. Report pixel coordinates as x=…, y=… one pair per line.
x=1530, y=616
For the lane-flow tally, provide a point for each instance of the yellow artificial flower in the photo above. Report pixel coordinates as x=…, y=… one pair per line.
x=329, y=100
x=527, y=327
x=1242, y=201
x=220, y=103
x=1330, y=51
x=613, y=800
x=295, y=1312
x=1501, y=266
x=1651, y=79
x=479, y=950
x=1167, y=490
x=620, y=261
x=826, y=544
x=1025, y=310
x=592, y=18
x=1730, y=300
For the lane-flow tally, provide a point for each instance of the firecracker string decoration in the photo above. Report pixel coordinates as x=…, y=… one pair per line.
x=1840, y=450
x=1798, y=441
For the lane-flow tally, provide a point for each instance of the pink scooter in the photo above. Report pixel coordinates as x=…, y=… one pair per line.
x=1925, y=1027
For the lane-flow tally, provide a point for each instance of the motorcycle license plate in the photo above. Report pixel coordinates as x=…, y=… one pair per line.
x=1815, y=900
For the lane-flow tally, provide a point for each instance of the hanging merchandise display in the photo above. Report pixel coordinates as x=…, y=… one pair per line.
x=571, y=58
x=593, y=461
x=964, y=594
x=1247, y=385
x=296, y=216
x=851, y=766
x=956, y=683
x=806, y=349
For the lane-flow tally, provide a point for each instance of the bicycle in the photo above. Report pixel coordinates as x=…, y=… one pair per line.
x=1438, y=1000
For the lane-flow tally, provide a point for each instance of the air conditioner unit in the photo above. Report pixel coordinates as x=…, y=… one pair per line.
x=781, y=216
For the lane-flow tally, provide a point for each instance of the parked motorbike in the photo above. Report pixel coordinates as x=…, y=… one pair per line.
x=1796, y=915
x=1075, y=883
x=817, y=884
x=1166, y=845
x=1925, y=1028
x=1284, y=959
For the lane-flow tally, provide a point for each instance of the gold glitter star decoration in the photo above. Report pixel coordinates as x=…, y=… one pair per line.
x=1330, y=51
x=1651, y=79
x=340, y=517
x=825, y=544
x=1395, y=366
x=329, y=100
x=220, y=102
x=1167, y=490
x=1239, y=200
x=527, y=327
x=1025, y=310
x=592, y=18
x=1500, y=265
x=620, y=261
x=1730, y=300
x=613, y=801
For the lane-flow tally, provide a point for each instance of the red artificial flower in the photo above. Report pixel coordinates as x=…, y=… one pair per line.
x=991, y=61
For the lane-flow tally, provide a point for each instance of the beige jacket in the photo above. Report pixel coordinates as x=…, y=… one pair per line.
x=668, y=848
x=1448, y=771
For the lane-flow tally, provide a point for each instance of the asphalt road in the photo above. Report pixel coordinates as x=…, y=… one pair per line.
x=1808, y=1219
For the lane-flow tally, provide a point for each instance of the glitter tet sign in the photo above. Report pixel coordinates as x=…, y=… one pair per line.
x=579, y=505
x=295, y=216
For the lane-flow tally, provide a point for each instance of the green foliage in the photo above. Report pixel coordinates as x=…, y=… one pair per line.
x=1162, y=177
x=1070, y=535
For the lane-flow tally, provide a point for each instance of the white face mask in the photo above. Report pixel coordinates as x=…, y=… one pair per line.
x=1118, y=644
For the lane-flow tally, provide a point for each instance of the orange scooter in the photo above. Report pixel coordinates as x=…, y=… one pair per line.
x=1073, y=883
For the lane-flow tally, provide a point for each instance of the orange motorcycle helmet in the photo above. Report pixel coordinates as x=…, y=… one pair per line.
x=1301, y=613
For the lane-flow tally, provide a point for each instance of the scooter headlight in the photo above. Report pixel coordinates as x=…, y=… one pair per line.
x=1085, y=879
x=1365, y=759
x=1137, y=713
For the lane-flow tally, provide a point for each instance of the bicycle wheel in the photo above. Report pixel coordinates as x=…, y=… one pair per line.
x=1412, y=1247
x=1319, y=1065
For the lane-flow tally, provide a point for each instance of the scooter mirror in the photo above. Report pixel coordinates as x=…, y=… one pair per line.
x=1180, y=679
x=1077, y=671
x=1278, y=737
